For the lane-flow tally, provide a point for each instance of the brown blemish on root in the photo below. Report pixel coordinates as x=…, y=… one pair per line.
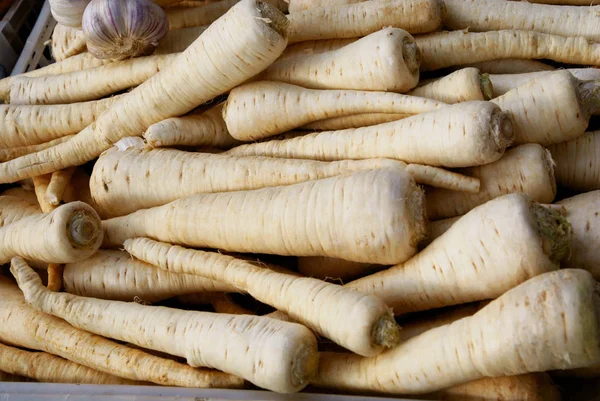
x=83, y=229
x=273, y=18
x=386, y=332
x=501, y=129
x=411, y=55
x=305, y=364
x=555, y=230
x=487, y=89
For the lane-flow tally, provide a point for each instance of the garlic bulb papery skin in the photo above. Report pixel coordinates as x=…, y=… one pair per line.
x=118, y=29
x=68, y=12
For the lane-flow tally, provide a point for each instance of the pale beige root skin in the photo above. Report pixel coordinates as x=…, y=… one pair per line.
x=578, y=162
x=459, y=86
x=40, y=186
x=7, y=154
x=447, y=49
x=89, y=84
x=301, y=5
x=71, y=232
x=263, y=109
x=497, y=245
x=354, y=121
x=529, y=386
x=335, y=269
x=22, y=193
x=79, y=189
x=124, y=182
x=527, y=168
x=44, y=367
x=366, y=329
x=583, y=213
x=205, y=129
x=510, y=66
x=75, y=63
x=386, y=60
x=551, y=109
x=437, y=227
x=285, y=352
x=505, y=82
x=478, y=128
x=26, y=327
x=58, y=185
x=14, y=209
x=115, y=275
x=548, y=322
x=222, y=303
x=176, y=90
x=361, y=19
x=27, y=125
x=440, y=178
x=67, y=42
x=385, y=205
x=495, y=15
x=198, y=16
x=177, y=40
x=314, y=47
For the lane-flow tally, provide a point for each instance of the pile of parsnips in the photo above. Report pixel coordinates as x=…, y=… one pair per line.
x=310, y=136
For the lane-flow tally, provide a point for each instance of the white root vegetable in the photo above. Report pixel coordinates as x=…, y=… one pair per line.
x=58, y=185
x=503, y=83
x=67, y=42
x=44, y=367
x=338, y=270
x=13, y=209
x=13, y=153
x=460, y=86
x=497, y=245
x=367, y=328
x=117, y=276
x=551, y=109
x=386, y=60
x=354, y=121
x=479, y=129
x=301, y=5
x=510, y=66
x=275, y=355
x=205, y=129
x=582, y=212
x=263, y=109
x=89, y=84
x=26, y=327
x=123, y=182
x=27, y=125
x=198, y=16
x=386, y=205
x=526, y=168
x=71, y=232
x=355, y=20
x=495, y=15
x=577, y=162
x=447, y=49
x=549, y=322
x=177, y=90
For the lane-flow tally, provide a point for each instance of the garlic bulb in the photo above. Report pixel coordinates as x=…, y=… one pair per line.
x=117, y=29
x=68, y=12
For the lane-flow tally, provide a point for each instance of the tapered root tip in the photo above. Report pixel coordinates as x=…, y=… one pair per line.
x=305, y=365
x=555, y=230
x=501, y=127
x=386, y=332
x=84, y=230
x=487, y=89
x=411, y=55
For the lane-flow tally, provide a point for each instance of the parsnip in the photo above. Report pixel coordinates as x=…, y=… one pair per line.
x=503, y=83
x=549, y=322
x=355, y=20
x=479, y=129
x=276, y=355
x=198, y=16
x=175, y=91
x=67, y=42
x=577, y=162
x=13, y=153
x=338, y=270
x=386, y=60
x=89, y=84
x=385, y=204
x=263, y=109
x=115, y=275
x=301, y=5
x=460, y=86
x=13, y=209
x=57, y=185
x=527, y=168
x=205, y=129
x=26, y=327
x=124, y=182
x=510, y=66
x=488, y=251
x=25, y=193
x=447, y=49
x=354, y=121
x=582, y=212
x=551, y=109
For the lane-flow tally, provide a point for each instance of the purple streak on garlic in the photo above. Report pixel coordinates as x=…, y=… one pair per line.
x=118, y=29
x=68, y=12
